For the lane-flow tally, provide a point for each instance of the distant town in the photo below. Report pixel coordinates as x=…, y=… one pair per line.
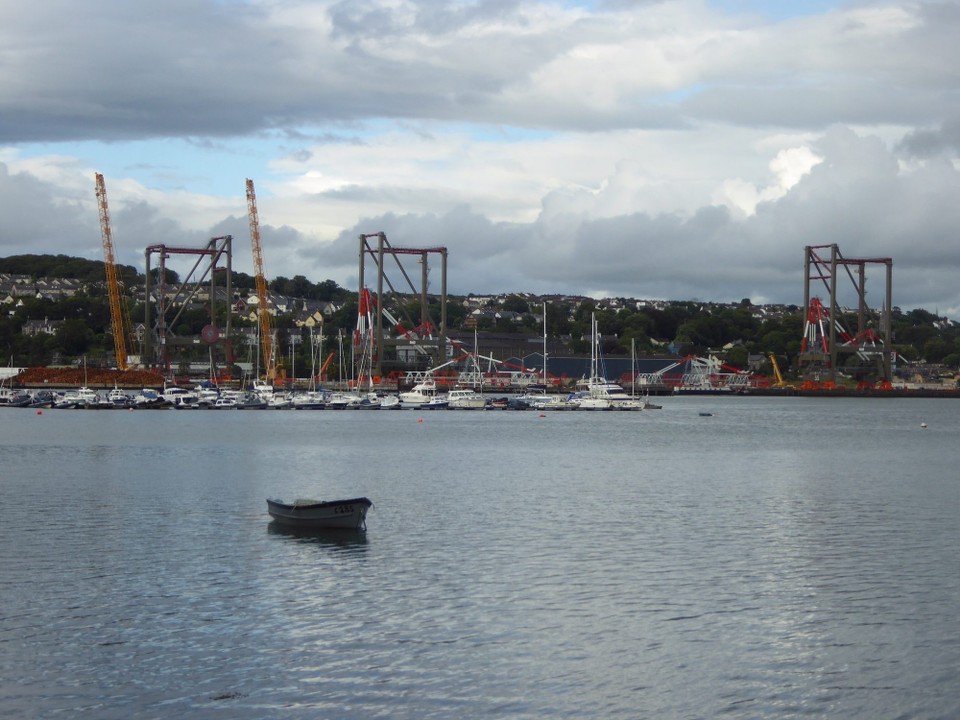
x=58, y=313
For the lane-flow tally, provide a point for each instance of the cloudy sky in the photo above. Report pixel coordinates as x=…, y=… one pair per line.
x=682, y=149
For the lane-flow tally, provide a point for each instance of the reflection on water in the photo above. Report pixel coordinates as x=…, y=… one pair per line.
x=779, y=560
x=337, y=537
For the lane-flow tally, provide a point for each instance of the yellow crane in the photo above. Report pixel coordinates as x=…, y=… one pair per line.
x=780, y=382
x=118, y=317
x=263, y=313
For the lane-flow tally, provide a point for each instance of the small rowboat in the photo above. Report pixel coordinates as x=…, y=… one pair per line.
x=307, y=514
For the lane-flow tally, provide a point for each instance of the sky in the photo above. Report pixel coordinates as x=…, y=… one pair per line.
x=675, y=149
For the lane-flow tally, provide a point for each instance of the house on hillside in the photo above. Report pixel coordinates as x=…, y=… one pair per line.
x=32, y=328
x=313, y=313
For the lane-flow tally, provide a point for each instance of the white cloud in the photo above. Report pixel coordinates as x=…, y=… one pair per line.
x=662, y=149
x=787, y=168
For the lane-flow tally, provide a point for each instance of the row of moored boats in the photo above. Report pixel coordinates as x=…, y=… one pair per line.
x=423, y=396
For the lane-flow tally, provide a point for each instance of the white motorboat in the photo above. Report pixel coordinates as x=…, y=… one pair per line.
x=465, y=399
x=263, y=389
x=80, y=398
x=421, y=394
x=344, y=401
x=310, y=400
x=279, y=401
x=599, y=393
x=617, y=398
x=585, y=401
x=250, y=401
x=119, y=398
x=369, y=401
x=206, y=396
x=389, y=402
x=149, y=398
x=178, y=396
x=551, y=402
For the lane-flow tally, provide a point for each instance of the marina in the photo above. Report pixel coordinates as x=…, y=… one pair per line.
x=424, y=396
x=590, y=395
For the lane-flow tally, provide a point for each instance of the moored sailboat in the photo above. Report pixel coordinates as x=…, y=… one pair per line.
x=601, y=393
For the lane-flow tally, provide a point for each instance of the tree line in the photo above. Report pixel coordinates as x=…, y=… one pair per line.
x=680, y=328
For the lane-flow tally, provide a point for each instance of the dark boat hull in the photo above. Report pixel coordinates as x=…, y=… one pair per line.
x=350, y=513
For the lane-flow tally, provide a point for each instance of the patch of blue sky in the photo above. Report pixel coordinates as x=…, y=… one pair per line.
x=205, y=166
x=477, y=132
x=219, y=166
x=369, y=129
x=777, y=10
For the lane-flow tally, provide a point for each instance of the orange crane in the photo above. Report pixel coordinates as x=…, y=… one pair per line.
x=118, y=317
x=326, y=364
x=263, y=313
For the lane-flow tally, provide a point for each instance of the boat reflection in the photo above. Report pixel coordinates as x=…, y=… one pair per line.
x=339, y=537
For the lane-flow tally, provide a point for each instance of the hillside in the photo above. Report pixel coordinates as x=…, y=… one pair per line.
x=42, y=328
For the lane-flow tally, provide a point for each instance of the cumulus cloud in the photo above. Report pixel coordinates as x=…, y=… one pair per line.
x=659, y=149
x=851, y=192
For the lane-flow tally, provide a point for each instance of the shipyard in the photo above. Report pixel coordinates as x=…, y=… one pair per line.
x=401, y=341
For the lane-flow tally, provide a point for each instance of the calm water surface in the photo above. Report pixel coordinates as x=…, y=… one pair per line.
x=782, y=557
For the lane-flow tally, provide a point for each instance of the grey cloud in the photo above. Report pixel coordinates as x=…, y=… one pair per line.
x=817, y=105
x=857, y=197
x=38, y=215
x=929, y=143
x=370, y=19
x=212, y=69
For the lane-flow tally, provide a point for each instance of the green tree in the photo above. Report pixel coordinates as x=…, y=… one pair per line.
x=515, y=303
x=74, y=337
x=935, y=349
x=737, y=357
x=329, y=291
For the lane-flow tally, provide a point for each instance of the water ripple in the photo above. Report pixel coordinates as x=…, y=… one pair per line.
x=507, y=571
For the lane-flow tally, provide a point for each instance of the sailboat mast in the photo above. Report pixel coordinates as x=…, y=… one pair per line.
x=476, y=360
x=593, y=347
x=544, y=345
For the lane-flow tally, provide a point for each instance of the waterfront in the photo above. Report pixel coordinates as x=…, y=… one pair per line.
x=780, y=557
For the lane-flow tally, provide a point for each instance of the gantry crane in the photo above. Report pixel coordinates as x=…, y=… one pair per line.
x=118, y=317
x=824, y=336
x=263, y=312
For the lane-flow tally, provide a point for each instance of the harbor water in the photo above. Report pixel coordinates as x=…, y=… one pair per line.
x=722, y=557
